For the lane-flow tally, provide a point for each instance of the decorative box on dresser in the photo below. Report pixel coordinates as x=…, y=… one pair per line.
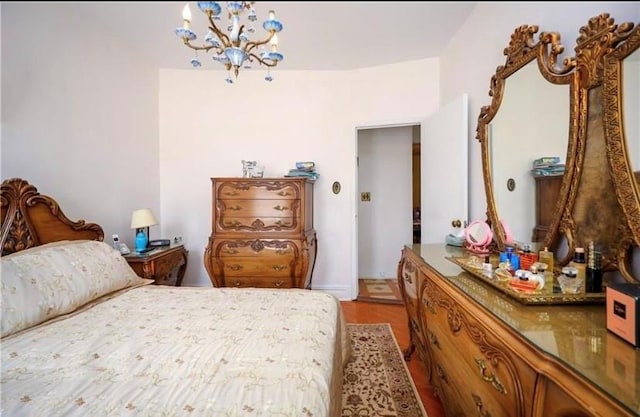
x=489, y=355
x=262, y=233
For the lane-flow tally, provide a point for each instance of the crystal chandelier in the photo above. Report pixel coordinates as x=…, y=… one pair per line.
x=234, y=49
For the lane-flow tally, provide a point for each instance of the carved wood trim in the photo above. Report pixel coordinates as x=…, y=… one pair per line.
x=626, y=185
x=459, y=321
x=30, y=219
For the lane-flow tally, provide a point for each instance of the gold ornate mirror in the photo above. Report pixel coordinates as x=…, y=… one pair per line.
x=599, y=156
x=622, y=131
x=528, y=119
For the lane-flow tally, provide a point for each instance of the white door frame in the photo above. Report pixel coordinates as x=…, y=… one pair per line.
x=356, y=192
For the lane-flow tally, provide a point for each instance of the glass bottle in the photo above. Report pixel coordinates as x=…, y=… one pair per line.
x=527, y=258
x=569, y=283
x=593, y=276
x=579, y=262
x=546, y=257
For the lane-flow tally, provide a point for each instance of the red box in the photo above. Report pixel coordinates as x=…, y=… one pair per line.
x=623, y=311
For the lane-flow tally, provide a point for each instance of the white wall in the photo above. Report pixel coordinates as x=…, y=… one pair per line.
x=207, y=127
x=87, y=121
x=385, y=224
x=79, y=115
x=471, y=58
x=532, y=122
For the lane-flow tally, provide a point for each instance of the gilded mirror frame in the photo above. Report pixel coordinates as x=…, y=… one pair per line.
x=522, y=50
x=626, y=187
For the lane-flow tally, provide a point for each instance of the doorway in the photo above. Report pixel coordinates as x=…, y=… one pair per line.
x=388, y=206
x=443, y=198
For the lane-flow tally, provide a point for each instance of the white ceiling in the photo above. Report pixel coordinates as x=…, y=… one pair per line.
x=316, y=35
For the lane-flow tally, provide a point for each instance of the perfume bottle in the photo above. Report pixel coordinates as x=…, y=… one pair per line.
x=579, y=263
x=546, y=257
x=569, y=283
x=593, y=276
x=527, y=258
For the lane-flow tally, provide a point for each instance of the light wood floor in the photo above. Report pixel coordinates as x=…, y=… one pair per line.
x=366, y=312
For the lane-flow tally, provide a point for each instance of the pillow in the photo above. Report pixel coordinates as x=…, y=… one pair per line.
x=47, y=281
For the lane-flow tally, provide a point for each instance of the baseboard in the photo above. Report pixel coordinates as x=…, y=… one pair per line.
x=342, y=293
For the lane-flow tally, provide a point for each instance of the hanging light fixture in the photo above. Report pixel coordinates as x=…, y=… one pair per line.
x=233, y=47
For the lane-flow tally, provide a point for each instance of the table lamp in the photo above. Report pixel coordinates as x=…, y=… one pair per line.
x=141, y=220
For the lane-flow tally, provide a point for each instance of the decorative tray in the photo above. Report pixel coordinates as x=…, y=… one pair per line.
x=473, y=265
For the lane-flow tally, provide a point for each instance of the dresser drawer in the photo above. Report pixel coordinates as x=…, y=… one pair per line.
x=259, y=208
x=257, y=189
x=259, y=266
x=493, y=381
x=257, y=247
x=290, y=225
x=259, y=282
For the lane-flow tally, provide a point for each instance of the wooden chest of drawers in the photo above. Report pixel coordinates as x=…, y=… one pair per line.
x=487, y=355
x=262, y=233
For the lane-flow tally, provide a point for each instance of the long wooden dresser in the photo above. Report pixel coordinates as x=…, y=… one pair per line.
x=489, y=355
x=262, y=233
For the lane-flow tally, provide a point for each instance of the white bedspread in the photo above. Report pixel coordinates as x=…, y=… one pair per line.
x=165, y=351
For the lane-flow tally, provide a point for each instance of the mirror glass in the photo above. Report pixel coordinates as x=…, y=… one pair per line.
x=531, y=123
x=631, y=108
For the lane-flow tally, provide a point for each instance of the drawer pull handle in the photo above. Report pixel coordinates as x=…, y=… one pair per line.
x=283, y=193
x=407, y=277
x=495, y=382
x=230, y=251
x=235, y=208
x=236, y=283
x=278, y=284
x=231, y=193
x=478, y=401
x=280, y=223
x=434, y=340
x=279, y=268
x=281, y=208
x=235, y=267
x=234, y=223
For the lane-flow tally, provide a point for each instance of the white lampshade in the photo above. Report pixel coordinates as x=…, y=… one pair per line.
x=143, y=218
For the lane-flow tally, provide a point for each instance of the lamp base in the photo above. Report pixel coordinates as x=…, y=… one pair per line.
x=141, y=241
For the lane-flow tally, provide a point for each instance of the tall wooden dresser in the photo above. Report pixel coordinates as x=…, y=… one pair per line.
x=547, y=194
x=262, y=233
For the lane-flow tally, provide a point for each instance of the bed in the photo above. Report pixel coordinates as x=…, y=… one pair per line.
x=82, y=335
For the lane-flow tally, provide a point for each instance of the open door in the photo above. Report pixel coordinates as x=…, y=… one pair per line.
x=444, y=170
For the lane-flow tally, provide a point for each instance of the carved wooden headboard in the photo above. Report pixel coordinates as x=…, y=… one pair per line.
x=30, y=219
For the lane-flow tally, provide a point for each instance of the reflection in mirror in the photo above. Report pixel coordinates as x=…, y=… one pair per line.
x=478, y=237
x=531, y=123
x=631, y=108
x=529, y=118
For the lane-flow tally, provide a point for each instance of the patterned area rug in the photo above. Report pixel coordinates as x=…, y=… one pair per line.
x=379, y=291
x=376, y=380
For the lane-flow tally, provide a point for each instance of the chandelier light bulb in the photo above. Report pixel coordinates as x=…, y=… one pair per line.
x=186, y=16
x=229, y=43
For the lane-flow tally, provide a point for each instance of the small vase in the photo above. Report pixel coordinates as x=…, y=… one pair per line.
x=141, y=241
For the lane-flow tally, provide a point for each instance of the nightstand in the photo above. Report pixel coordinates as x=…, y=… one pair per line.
x=165, y=265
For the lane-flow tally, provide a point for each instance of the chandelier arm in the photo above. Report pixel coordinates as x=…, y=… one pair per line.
x=251, y=45
x=221, y=35
x=269, y=63
x=202, y=48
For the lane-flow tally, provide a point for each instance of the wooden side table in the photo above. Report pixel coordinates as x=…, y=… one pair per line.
x=166, y=265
